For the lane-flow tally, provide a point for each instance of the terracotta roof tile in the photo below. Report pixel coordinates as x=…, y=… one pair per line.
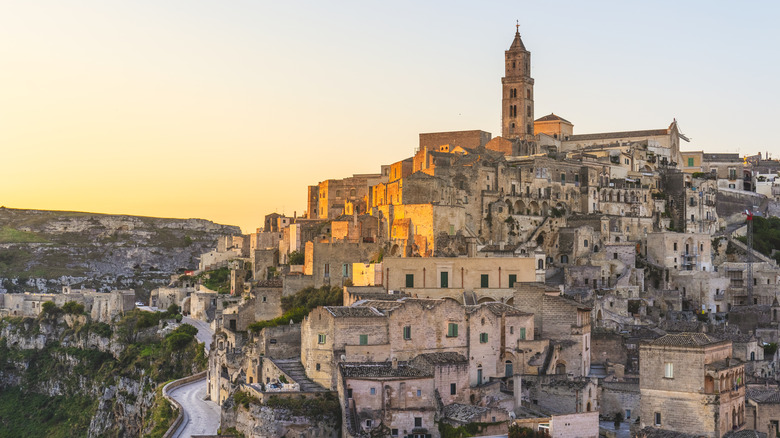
x=685, y=339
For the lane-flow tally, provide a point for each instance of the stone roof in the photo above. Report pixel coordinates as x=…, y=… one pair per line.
x=464, y=413
x=724, y=364
x=517, y=43
x=685, y=339
x=274, y=282
x=382, y=370
x=623, y=134
x=497, y=309
x=734, y=336
x=381, y=305
x=552, y=118
x=497, y=248
x=763, y=395
x=353, y=312
x=680, y=326
x=448, y=357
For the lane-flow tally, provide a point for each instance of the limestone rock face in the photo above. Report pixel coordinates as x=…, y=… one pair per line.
x=41, y=251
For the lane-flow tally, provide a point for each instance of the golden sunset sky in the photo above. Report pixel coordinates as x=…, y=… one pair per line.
x=228, y=110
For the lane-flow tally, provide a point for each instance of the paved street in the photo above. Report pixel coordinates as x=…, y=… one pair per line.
x=201, y=417
x=204, y=334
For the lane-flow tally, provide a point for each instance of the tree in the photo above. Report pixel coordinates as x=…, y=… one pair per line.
x=73, y=308
x=50, y=308
x=516, y=431
x=297, y=258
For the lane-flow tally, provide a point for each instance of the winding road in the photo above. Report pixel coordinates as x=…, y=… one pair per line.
x=201, y=417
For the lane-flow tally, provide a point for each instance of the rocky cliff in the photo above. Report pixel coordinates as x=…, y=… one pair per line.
x=64, y=375
x=44, y=250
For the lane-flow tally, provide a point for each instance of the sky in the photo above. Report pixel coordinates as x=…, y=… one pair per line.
x=228, y=110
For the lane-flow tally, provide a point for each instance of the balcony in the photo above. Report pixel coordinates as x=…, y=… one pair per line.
x=720, y=297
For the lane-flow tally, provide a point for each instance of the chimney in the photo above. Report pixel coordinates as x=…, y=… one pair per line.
x=395, y=363
x=517, y=386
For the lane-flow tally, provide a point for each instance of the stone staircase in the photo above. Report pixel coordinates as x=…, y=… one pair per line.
x=294, y=369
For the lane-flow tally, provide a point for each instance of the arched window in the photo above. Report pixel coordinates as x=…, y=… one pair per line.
x=508, y=371
x=564, y=259
x=540, y=264
x=585, y=244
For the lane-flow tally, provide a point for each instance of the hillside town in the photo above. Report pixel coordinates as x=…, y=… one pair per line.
x=574, y=284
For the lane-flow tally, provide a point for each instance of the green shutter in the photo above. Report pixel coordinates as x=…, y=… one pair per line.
x=522, y=332
x=484, y=281
x=363, y=339
x=445, y=280
x=512, y=279
x=409, y=280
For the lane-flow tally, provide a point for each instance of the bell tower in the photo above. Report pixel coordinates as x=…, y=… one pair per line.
x=517, y=103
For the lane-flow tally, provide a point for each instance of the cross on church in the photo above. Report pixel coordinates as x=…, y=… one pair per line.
x=518, y=26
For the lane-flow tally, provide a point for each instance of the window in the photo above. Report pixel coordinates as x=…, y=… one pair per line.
x=321, y=338
x=408, y=332
x=628, y=414
x=675, y=246
x=368, y=422
x=327, y=270
x=614, y=255
x=585, y=244
x=349, y=392
x=363, y=339
x=419, y=393
x=452, y=330
x=483, y=338
x=445, y=280
x=564, y=259
x=393, y=432
x=511, y=330
x=345, y=270
x=409, y=280
x=483, y=280
x=417, y=421
x=522, y=332
x=318, y=367
x=563, y=178
x=453, y=389
x=512, y=280
x=669, y=370
x=657, y=418
x=264, y=299
x=690, y=162
x=373, y=391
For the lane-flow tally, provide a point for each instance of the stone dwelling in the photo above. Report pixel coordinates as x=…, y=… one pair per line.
x=690, y=382
x=101, y=306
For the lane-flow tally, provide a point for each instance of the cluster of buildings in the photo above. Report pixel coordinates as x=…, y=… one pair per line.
x=101, y=306
x=541, y=278
x=563, y=282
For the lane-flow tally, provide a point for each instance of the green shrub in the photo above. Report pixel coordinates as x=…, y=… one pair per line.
x=297, y=258
x=73, y=308
x=49, y=308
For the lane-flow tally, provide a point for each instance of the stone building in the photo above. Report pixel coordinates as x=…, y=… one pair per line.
x=690, y=382
x=489, y=279
x=562, y=320
x=331, y=263
x=762, y=409
x=101, y=306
